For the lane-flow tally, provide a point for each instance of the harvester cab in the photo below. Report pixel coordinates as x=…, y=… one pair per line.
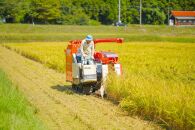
x=90, y=78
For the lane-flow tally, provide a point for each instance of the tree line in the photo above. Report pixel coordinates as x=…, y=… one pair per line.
x=89, y=12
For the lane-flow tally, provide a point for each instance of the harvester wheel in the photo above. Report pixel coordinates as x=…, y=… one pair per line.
x=80, y=88
x=87, y=90
x=74, y=86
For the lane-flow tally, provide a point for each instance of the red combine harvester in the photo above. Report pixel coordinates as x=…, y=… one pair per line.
x=90, y=78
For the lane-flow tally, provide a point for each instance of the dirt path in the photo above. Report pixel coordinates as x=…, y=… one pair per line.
x=56, y=107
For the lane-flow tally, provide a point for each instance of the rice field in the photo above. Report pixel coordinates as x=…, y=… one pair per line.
x=158, y=81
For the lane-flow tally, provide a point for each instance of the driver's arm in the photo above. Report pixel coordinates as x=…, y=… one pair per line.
x=81, y=48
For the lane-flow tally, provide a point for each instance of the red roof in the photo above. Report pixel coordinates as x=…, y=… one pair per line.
x=183, y=13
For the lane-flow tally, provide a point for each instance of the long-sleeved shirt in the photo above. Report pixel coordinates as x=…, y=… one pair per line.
x=87, y=49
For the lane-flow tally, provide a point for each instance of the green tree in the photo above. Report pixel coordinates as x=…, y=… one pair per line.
x=76, y=17
x=110, y=12
x=13, y=10
x=45, y=11
x=73, y=13
x=90, y=11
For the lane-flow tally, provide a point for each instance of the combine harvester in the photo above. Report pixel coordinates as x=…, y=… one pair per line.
x=90, y=78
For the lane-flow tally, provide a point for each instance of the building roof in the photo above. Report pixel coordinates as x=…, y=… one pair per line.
x=183, y=13
x=190, y=18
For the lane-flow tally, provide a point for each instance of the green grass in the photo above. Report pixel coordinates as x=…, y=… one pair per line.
x=158, y=81
x=61, y=33
x=15, y=112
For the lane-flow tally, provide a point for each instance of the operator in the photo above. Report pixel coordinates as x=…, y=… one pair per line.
x=87, y=50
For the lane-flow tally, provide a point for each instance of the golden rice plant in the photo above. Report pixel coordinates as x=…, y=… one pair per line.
x=50, y=54
x=158, y=82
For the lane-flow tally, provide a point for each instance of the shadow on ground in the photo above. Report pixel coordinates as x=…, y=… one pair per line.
x=69, y=90
x=64, y=88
